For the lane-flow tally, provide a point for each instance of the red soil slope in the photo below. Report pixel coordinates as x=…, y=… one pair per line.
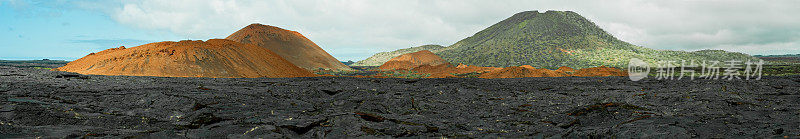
x=413, y=60
x=599, y=71
x=522, y=72
x=565, y=69
x=477, y=69
x=449, y=71
x=439, y=71
x=290, y=45
x=528, y=71
x=217, y=58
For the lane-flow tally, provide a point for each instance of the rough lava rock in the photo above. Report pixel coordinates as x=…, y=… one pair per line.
x=35, y=103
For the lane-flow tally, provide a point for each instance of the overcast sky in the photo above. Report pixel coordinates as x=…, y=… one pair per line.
x=356, y=29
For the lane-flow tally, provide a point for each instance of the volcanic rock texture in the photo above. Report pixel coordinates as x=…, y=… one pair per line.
x=47, y=104
x=212, y=58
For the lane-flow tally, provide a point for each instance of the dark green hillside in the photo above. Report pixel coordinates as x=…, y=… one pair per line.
x=532, y=38
x=557, y=38
x=550, y=40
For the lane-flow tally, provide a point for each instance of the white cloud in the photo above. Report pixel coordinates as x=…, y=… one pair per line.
x=355, y=29
x=625, y=32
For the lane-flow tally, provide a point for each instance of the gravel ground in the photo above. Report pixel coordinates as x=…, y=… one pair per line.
x=42, y=103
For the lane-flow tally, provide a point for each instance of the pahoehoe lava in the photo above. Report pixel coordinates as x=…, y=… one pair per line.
x=41, y=103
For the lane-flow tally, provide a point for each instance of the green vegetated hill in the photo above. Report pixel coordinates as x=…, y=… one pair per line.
x=557, y=38
x=380, y=58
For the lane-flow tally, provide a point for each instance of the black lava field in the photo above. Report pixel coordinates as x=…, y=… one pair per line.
x=48, y=104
